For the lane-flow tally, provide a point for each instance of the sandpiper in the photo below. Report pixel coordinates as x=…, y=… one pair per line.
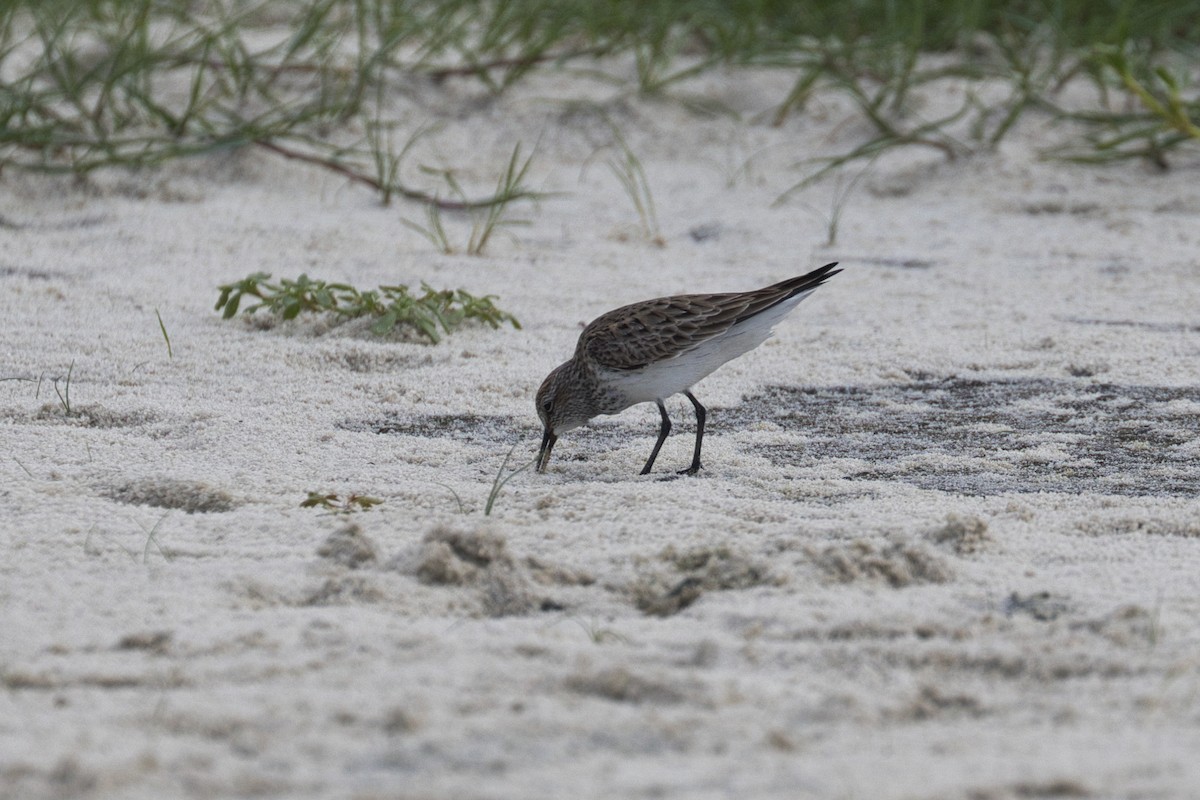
x=649, y=351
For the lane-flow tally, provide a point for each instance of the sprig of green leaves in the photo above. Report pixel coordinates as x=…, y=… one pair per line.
x=432, y=312
x=336, y=504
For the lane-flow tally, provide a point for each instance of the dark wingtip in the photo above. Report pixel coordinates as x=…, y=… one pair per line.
x=824, y=273
x=810, y=280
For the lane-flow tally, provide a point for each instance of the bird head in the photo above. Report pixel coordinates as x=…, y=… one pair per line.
x=563, y=404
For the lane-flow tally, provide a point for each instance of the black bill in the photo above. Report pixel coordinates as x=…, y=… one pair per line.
x=548, y=440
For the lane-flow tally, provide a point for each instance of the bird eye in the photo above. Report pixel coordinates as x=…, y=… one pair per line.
x=547, y=405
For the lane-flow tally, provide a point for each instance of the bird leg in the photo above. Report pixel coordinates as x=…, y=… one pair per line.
x=700, y=415
x=662, y=437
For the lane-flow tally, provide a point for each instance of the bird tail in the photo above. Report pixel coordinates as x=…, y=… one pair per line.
x=805, y=283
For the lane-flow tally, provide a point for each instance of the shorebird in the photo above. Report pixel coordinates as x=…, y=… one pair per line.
x=649, y=351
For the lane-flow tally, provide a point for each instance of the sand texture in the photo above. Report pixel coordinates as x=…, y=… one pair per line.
x=946, y=543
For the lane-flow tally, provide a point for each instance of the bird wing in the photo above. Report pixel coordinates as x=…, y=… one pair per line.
x=633, y=336
x=636, y=335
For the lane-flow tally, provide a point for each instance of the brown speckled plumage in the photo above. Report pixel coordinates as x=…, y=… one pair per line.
x=639, y=334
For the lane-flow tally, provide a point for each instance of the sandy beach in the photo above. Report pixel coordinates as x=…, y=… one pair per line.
x=946, y=543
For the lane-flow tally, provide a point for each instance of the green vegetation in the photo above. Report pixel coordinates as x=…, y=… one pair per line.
x=1167, y=121
x=151, y=533
x=336, y=504
x=166, y=337
x=627, y=169
x=498, y=483
x=485, y=219
x=389, y=305
x=64, y=394
x=501, y=479
x=92, y=84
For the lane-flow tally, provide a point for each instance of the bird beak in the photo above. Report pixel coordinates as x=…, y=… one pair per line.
x=548, y=440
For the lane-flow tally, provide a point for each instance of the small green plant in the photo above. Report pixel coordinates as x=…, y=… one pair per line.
x=837, y=204
x=337, y=504
x=151, y=540
x=501, y=479
x=428, y=312
x=434, y=229
x=841, y=196
x=384, y=158
x=64, y=394
x=627, y=169
x=498, y=483
x=494, y=216
x=166, y=338
x=486, y=218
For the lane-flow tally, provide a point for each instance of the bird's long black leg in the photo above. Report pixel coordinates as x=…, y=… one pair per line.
x=662, y=437
x=700, y=415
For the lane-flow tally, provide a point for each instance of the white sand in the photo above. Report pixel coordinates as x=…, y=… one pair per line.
x=846, y=640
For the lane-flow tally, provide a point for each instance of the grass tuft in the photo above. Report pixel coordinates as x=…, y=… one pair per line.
x=501, y=479
x=151, y=539
x=166, y=337
x=64, y=394
x=627, y=169
x=486, y=217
